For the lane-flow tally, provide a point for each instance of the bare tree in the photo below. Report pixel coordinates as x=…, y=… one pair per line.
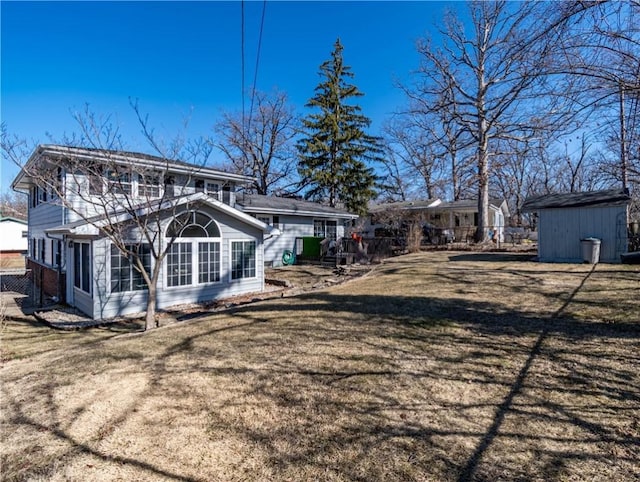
x=13, y=205
x=94, y=180
x=489, y=80
x=420, y=168
x=261, y=145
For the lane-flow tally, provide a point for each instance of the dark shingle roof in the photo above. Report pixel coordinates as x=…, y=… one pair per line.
x=256, y=203
x=608, y=197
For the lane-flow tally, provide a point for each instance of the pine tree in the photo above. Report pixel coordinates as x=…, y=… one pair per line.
x=334, y=157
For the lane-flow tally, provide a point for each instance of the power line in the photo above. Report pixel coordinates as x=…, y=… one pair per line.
x=255, y=74
x=242, y=57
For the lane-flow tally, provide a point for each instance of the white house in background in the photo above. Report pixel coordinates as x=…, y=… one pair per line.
x=13, y=237
x=293, y=218
x=218, y=250
x=462, y=218
x=458, y=219
x=567, y=218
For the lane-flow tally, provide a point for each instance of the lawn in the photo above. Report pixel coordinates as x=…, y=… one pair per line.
x=433, y=367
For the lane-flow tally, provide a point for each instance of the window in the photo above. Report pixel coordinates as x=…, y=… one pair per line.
x=82, y=266
x=193, y=224
x=264, y=219
x=119, y=181
x=124, y=273
x=25, y=234
x=208, y=262
x=56, y=247
x=34, y=252
x=169, y=186
x=226, y=194
x=213, y=190
x=149, y=185
x=179, y=264
x=42, y=194
x=243, y=259
x=199, y=183
x=194, y=256
x=41, y=250
x=325, y=229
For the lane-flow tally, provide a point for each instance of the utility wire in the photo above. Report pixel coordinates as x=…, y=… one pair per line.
x=255, y=74
x=242, y=56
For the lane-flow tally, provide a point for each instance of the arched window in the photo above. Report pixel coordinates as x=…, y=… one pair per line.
x=182, y=263
x=193, y=224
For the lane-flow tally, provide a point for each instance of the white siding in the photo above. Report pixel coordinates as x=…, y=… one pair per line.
x=560, y=231
x=12, y=239
x=291, y=227
x=107, y=304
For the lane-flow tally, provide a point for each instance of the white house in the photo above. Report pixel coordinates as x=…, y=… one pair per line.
x=214, y=249
x=459, y=219
x=294, y=219
x=567, y=218
x=13, y=238
x=218, y=239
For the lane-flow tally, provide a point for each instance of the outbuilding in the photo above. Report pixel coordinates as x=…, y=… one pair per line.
x=565, y=220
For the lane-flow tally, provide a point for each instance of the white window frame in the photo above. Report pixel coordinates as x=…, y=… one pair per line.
x=83, y=268
x=132, y=268
x=213, y=189
x=255, y=266
x=324, y=228
x=195, y=258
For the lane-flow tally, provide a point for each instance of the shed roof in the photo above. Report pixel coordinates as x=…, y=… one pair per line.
x=608, y=197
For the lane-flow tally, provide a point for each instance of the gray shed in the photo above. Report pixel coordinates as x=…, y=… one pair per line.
x=565, y=219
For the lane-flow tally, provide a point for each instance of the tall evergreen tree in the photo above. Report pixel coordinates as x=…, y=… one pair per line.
x=334, y=155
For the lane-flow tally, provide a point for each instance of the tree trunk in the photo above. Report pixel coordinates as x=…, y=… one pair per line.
x=150, y=319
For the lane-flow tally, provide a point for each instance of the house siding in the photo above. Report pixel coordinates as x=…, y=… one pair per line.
x=108, y=305
x=291, y=227
x=560, y=231
x=12, y=239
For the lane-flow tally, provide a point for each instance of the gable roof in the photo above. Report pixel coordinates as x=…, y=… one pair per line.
x=142, y=160
x=259, y=204
x=608, y=197
x=91, y=226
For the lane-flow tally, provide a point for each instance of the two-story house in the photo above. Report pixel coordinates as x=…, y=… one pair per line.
x=94, y=213
x=88, y=208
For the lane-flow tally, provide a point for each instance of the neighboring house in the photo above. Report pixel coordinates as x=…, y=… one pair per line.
x=217, y=249
x=566, y=219
x=14, y=239
x=294, y=219
x=385, y=216
x=462, y=217
x=459, y=219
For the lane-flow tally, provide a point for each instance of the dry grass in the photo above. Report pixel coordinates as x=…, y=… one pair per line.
x=437, y=366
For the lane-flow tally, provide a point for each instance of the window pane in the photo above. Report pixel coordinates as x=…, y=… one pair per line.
x=76, y=265
x=243, y=259
x=86, y=268
x=208, y=262
x=179, y=265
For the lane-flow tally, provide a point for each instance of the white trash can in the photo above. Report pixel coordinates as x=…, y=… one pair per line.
x=590, y=250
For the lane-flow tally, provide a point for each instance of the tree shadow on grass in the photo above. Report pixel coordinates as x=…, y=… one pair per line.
x=363, y=387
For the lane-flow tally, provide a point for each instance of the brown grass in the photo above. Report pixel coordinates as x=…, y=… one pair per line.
x=438, y=366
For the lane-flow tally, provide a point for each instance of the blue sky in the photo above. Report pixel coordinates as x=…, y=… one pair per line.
x=183, y=59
